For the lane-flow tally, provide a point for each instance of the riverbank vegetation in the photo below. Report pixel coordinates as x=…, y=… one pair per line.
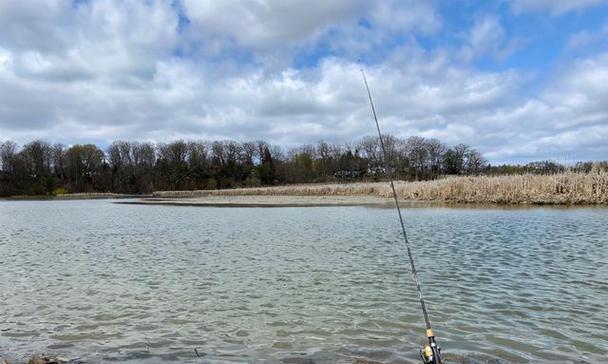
x=570, y=188
x=42, y=168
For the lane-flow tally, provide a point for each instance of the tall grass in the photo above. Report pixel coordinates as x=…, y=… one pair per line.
x=562, y=188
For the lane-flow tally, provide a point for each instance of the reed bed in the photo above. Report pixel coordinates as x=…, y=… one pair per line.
x=569, y=188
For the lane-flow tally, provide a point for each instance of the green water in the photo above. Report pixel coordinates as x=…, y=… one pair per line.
x=127, y=283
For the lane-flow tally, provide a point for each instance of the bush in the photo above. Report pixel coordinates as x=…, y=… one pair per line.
x=59, y=191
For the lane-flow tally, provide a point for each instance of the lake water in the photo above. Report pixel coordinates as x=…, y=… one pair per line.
x=128, y=283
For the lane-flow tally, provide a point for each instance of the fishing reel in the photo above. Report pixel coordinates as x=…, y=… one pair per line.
x=430, y=353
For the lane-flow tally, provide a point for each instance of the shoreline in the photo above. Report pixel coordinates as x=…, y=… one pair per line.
x=282, y=201
x=74, y=196
x=567, y=189
x=563, y=189
x=447, y=358
x=266, y=201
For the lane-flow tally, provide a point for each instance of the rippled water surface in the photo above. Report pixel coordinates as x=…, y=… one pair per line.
x=128, y=283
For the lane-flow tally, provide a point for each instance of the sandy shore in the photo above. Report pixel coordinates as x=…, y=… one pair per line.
x=267, y=201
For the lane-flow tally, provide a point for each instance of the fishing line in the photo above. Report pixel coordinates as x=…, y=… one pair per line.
x=430, y=353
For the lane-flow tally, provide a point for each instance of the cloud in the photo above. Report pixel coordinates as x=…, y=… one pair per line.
x=569, y=119
x=580, y=94
x=486, y=37
x=405, y=15
x=274, y=32
x=264, y=24
x=6, y=59
x=555, y=7
x=33, y=24
x=328, y=102
x=586, y=38
x=58, y=40
x=148, y=70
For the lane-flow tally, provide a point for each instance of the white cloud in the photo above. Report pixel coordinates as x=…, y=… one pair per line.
x=555, y=7
x=581, y=93
x=586, y=38
x=58, y=40
x=273, y=29
x=568, y=119
x=33, y=24
x=291, y=107
x=6, y=59
x=263, y=24
x=486, y=37
x=405, y=15
x=109, y=70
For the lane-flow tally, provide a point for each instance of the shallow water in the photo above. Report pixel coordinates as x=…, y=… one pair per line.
x=127, y=283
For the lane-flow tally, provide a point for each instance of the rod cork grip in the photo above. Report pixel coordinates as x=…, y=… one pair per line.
x=429, y=333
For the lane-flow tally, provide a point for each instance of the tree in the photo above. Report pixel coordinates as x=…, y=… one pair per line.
x=323, y=161
x=8, y=168
x=474, y=161
x=266, y=169
x=198, y=163
x=436, y=152
x=8, y=156
x=58, y=163
x=418, y=155
x=135, y=167
x=172, y=165
x=370, y=146
x=36, y=158
x=121, y=161
x=86, y=169
x=144, y=157
x=453, y=159
x=300, y=164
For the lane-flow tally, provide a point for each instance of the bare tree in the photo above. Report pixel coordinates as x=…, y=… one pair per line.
x=250, y=155
x=8, y=156
x=474, y=161
x=418, y=155
x=370, y=146
x=135, y=167
x=436, y=151
x=58, y=161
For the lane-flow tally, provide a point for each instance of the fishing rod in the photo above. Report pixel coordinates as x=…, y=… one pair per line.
x=430, y=353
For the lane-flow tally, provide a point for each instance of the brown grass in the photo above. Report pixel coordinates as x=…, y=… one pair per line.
x=564, y=188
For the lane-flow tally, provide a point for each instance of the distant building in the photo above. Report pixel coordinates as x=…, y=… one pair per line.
x=375, y=171
x=348, y=174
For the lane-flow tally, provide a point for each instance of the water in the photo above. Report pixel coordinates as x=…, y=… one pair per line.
x=127, y=283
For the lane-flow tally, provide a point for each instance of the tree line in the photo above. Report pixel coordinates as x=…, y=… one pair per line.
x=42, y=168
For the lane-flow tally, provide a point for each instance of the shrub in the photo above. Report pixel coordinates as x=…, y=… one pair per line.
x=59, y=191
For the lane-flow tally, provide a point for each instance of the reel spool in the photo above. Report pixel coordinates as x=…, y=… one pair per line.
x=430, y=353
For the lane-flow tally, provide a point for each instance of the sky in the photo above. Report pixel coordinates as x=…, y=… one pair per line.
x=519, y=80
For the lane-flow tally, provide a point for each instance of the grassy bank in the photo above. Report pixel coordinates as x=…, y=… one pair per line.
x=564, y=188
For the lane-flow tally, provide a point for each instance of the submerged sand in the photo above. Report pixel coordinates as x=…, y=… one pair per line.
x=267, y=201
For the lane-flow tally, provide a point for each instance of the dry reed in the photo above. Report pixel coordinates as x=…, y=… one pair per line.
x=563, y=188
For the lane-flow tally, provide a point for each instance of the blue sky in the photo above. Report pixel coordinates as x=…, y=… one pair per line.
x=519, y=80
